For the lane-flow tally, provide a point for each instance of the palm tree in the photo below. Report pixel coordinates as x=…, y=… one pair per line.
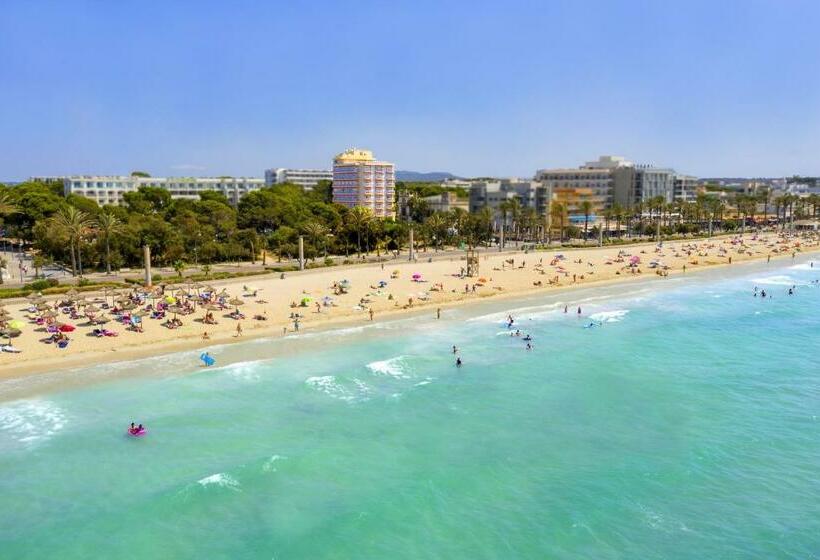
x=437, y=226
x=586, y=208
x=107, y=225
x=179, y=267
x=6, y=205
x=76, y=224
x=315, y=230
x=558, y=211
x=359, y=218
x=38, y=262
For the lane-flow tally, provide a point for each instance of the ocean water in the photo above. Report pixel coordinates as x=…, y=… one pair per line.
x=684, y=424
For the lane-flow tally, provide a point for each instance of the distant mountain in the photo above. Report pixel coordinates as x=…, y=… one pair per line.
x=415, y=176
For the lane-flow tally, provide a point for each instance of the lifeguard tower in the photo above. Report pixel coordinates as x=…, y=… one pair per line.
x=472, y=262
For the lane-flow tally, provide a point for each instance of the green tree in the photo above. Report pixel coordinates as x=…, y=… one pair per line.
x=76, y=224
x=586, y=208
x=179, y=267
x=359, y=219
x=108, y=225
x=315, y=231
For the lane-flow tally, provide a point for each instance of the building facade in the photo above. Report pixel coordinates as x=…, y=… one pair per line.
x=492, y=194
x=640, y=183
x=110, y=189
x=305, y=178
x=360, y=180
x=686, y=188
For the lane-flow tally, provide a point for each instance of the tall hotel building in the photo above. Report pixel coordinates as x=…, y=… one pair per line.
x=360, y=180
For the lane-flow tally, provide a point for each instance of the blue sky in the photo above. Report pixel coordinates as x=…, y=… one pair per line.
x=475, y=88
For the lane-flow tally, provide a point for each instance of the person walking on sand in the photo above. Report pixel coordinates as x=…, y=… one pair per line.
x=438, y=313
x=239, y=329
x=370, y=311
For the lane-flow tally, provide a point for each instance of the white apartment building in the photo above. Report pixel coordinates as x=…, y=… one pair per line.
x=686, y=188
x=492, y=194
x=110, y=189
x=360, y=180
x=305, y=178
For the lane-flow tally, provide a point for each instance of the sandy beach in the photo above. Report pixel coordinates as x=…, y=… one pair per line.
x=319, y=298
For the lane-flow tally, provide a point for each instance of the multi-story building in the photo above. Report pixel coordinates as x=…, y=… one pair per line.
x=305, y=178
x=360, y=180
x=110, y=189
x=611, y=180
x=594, y=182
x=447, y=201
x=492, y=194
x=686, y=188
x=641, y=183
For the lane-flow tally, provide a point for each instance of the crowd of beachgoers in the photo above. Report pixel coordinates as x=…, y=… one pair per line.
x=42, y=332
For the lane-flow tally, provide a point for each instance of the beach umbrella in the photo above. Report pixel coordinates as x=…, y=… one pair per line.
x=213, y=307
x=11, y=333
x=223, y=294
x=306, y=300
x=175, y=309
x=16, y=324
x=170, y=299
x=43, y=307
x=64, y=327
x=416, y=276
x=91, y=309
x=634, y=259
x=49, y=314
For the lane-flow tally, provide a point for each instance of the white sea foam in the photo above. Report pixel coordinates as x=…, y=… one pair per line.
x=328, y=385
x=394, y=367
x=805, y=266
x=270, y=464
x=609, y=316
x=31, y=421
x=778, y=280
x=220, y=479
x=245, y=371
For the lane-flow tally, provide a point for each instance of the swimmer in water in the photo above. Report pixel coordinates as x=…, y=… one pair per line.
x=455, y=349
x=458, y=362
x=579, y=310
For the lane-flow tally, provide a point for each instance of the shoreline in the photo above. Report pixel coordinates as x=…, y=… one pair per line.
x=42, y=364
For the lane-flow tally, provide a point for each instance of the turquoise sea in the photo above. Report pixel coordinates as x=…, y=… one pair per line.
x=685, y=424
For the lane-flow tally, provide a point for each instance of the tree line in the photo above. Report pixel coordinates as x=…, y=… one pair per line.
x=82, y=236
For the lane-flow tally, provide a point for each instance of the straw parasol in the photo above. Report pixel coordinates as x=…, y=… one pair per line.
x=91, y=309
x=10, y=333
x=43, y=307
